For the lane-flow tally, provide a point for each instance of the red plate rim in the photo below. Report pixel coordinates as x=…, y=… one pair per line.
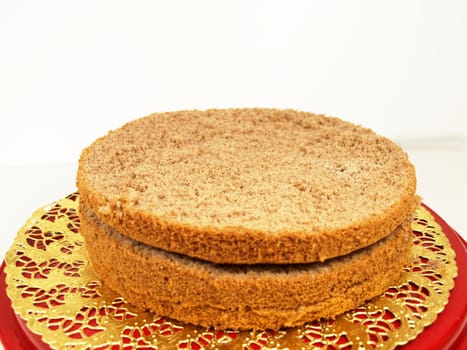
x=447, y=332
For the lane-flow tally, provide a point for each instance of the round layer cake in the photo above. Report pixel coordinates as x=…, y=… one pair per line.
x=248, y=186
x=264, y=296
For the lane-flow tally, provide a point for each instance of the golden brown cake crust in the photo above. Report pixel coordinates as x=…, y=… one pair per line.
x=248, y=185
x=241, y=296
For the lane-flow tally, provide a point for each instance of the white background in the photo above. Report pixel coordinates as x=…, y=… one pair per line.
x=72, y=70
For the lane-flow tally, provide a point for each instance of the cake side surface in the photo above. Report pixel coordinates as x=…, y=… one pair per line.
x=241, y=296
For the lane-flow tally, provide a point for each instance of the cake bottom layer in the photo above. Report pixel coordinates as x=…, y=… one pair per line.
x=263, y=296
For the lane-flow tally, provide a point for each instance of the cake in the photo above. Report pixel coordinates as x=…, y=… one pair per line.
x=246, y=218
x=259, y=296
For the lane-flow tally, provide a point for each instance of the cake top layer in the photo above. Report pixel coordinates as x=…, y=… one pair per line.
x=247, y=170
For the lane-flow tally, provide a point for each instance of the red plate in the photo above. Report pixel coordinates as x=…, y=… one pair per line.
x=447, y=332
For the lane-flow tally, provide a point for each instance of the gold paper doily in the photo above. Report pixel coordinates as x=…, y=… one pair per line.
x=53, y=288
